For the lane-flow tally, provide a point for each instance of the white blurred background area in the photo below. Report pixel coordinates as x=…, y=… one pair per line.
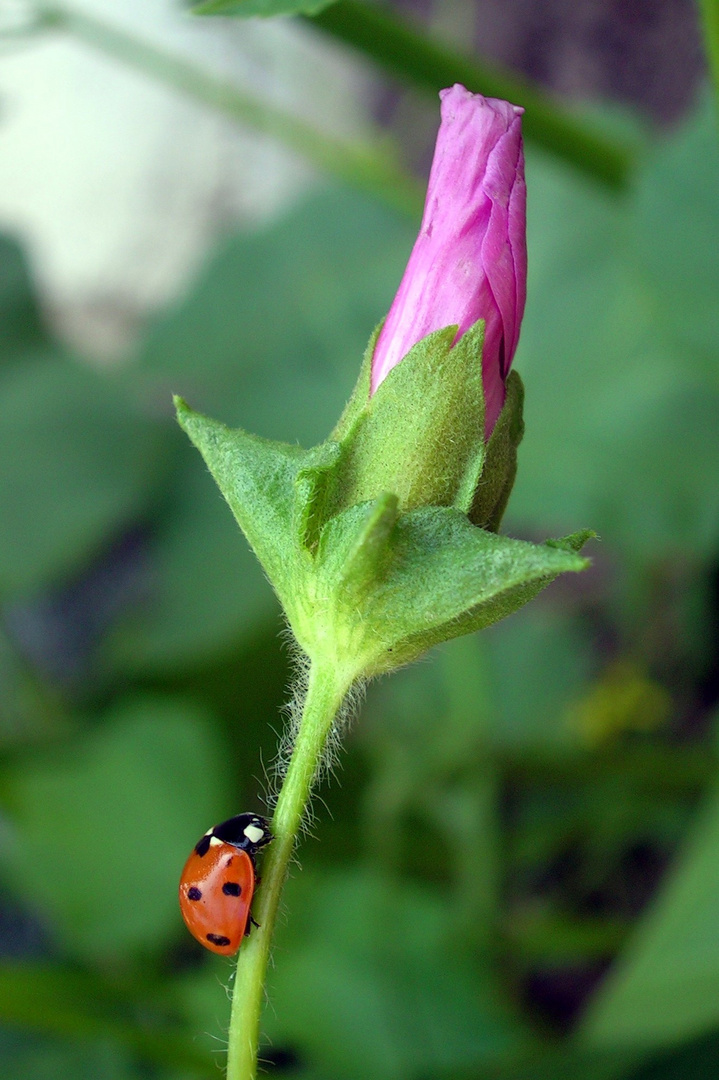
x=116, y=184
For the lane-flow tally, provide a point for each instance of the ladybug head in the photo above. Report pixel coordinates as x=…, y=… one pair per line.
x=256, y=830
x=249, y=832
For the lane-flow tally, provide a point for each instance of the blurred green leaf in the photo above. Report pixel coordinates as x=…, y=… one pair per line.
x=539, y=662
x=31, y=1058
x=21, y=328
x=207, y=594
x=102, y=1023
x=676, y=225
x=556, y=1063
x=698, y=1060
x=103, y=829
x=622, y=416
x=259, y=480
x=366, y=984
x=665, y=987
x=77, y=463
x=271, y=336
x=30, y=713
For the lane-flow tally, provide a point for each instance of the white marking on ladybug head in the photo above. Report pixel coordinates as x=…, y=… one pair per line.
x=254, y=833
x=214, y=842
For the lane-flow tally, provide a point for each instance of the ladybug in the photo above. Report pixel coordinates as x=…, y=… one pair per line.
x=218, y=881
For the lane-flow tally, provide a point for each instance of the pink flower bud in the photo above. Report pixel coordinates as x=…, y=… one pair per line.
x=469, y=261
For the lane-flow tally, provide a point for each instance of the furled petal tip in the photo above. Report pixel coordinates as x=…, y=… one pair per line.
x=469, y=261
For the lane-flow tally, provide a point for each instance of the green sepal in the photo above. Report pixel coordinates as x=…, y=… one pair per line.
x=259, y=480
x=436, y=576
x=492, y=491
x=573, y=542
x=313, y=490
x=355, y=549
x=371, y=587
x=421, y=434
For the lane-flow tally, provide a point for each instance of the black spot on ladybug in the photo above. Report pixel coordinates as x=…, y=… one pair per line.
x=193, y=893
x=231, y=888
x=203, y=846
x=229, y=862
x=218, y=939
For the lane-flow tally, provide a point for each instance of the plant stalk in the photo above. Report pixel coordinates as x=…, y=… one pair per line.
x=325, y=694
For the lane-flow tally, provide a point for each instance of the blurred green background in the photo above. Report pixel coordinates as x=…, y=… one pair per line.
x=568, y=921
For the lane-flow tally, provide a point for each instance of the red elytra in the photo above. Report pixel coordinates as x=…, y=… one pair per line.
x=215, y=896
x=218, y=881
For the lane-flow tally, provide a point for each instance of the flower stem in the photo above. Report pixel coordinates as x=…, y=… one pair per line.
x=325, y=693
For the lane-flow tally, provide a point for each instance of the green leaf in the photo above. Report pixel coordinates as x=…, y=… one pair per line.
x=573, y=542
x=540, y=660
x=421, y=434
x=697, y=1060
x=270, y=335
x=21, y=327
x=145, y=784
x=390, y=587
x=665, y=988
x=34, y=1057
x=30, y=712
x=207, y=595
x=675, y=226
x=361, y=393
x=565, y=1063
x=50, y=999
x=361, y=955
x=78, y=463
x=265, y=8
x=622, y=407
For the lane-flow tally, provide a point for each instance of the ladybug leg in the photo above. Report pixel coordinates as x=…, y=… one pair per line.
x=251, y=922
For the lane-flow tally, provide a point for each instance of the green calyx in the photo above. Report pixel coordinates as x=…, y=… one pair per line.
x=421, y=435
x=381, y=542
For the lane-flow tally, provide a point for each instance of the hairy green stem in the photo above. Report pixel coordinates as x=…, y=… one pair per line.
x=325, y=694
x=367, y=166
x=709, y=10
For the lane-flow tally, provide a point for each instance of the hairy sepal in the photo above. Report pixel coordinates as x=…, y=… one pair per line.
x=493, y=486
x=434, y=576
x=368, y=587
x=421, y=434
